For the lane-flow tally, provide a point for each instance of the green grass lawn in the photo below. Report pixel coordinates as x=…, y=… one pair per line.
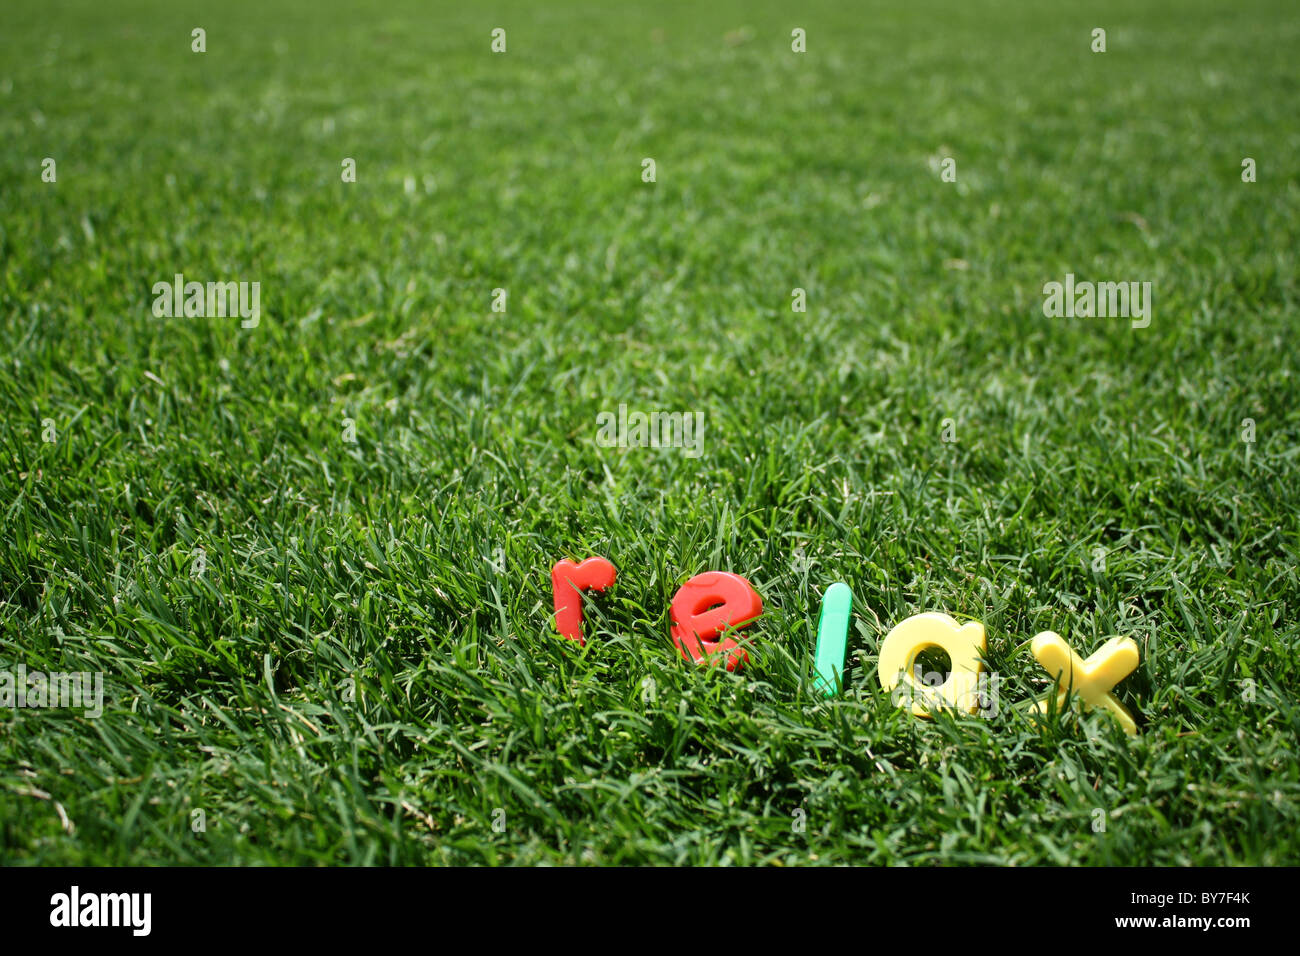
x=317, y=650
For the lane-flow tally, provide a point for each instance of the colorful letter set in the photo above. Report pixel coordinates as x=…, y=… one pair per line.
x=709, y=609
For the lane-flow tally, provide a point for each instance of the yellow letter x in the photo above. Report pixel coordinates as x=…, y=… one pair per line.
x=1092, y=679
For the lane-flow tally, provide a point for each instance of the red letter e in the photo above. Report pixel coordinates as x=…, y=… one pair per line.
x=704, y=607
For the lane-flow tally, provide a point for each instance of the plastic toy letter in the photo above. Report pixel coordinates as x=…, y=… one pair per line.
x=568, y=581
x=832, y=638
x=707, y=605
x=1092, y=679
x=964, y=645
